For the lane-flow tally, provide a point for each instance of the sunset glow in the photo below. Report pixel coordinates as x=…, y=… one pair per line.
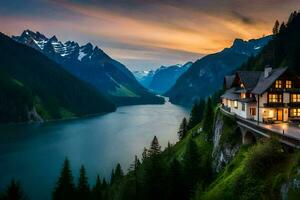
x=147, y=34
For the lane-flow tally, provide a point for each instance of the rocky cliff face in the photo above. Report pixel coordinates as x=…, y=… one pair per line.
x=226, y=141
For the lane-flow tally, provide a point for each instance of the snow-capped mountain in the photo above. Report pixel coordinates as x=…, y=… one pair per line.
x=92, y=65
x=161, y=79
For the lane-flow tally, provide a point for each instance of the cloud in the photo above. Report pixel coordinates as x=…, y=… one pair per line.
x=154, y=31
x=245, y=19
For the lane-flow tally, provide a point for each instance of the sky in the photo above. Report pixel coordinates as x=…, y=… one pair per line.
x=145, y=34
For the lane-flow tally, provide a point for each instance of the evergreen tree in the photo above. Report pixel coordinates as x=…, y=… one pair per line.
x=196, y=114
x=276, y=28
x=136, y=164
x=155, y=148
x=192, y=166
x=112, y=176
x=208, y=119
x=118, y=172
x=144, y=154
x=65, y=188
x=13, y=192
x=183, y=129
x=83, y=188
x=176, y=188
x=97, y=190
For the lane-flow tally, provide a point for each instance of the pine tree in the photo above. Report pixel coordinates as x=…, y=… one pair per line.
x=155, y=148
x=118, y=172
x=192, y=165
x=145, y=154
x=182, y=129
x=13, y=192
x=65, y=188
x=208, y=119
x=276, y=28
x=112, y=176
x=83, y=188
x=196, y=114
x=136, y=164
x=176, y=188
x=97, y=190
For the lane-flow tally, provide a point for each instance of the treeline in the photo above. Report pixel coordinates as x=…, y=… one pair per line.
x=202, y=110
x=283, y=49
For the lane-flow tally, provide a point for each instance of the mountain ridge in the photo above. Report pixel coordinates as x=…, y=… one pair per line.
x=92, y=65
x=205, y=76
x=51, y=91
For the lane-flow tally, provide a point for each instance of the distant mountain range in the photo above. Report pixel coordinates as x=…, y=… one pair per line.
x=162, y=79
x=92, y=65
x=35, y=88
x=205, y=76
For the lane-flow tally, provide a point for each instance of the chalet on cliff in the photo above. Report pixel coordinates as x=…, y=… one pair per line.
x=271, y=96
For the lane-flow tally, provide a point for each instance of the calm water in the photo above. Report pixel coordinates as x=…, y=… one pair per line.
x=34, y=153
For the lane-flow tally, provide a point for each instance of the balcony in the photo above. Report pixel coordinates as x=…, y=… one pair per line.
x=275, y=105
x=294, y=104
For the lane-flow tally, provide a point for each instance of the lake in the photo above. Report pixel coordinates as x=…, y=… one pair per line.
x=34, y=154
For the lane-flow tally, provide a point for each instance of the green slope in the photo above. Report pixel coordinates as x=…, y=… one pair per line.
x=44, y=86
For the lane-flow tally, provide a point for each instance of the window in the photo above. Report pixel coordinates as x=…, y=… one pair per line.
x=278, y=84
x=295, y=112
x=275, y=98
x=253, y=111
x=243, y=95
x=235, y=104
x=288, y=84
x=242, y=85
x=243, y=106
x=295, y=98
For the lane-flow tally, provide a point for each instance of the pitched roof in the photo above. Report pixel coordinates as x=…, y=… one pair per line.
x=228, y=81
x=230, y=94
x=264, y=83
x=249, y=78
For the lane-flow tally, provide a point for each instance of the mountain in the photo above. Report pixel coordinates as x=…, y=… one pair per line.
x=93, y=65
x=162, y=79
x=34, y=88
x=205, y=76
x=144, y=77
x=283, y=50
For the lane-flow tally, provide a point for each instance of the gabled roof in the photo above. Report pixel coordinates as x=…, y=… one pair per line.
x=228, y=81
x=230, y=94
x=249, y=78
x=264, y=83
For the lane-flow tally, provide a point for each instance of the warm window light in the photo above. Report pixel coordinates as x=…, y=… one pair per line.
x=278, y=84
x=271, y=113
x=243, y=95
x=288, y=84
x=275, y=98
x=295, y=112
x=235, y=104
x=242, y=85
x=295, y=98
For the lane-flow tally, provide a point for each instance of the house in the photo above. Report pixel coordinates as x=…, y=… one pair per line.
x=271, y=96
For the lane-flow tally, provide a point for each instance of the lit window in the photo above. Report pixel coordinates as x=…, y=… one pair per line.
x=278, y=84
x=235, y=104
x=242, y=85
x=288, y=84
x=275, y=98
x=295, y=112
x=295, y=98
x=243, y=95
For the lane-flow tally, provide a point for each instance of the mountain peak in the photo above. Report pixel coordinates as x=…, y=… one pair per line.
x=53, y=39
